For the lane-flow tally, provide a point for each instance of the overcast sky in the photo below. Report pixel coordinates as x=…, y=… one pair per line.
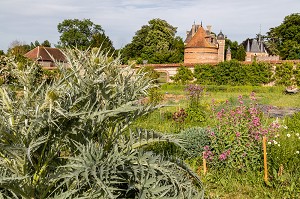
x=30, y=20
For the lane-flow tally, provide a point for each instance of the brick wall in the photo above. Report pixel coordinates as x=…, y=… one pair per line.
x=200, y=55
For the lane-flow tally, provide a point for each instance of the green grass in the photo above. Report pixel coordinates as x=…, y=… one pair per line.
x=226, y=183
x=161, y=120
x=274, y=96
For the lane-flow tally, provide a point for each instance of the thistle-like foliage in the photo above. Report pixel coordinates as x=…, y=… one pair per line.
x=69, y=138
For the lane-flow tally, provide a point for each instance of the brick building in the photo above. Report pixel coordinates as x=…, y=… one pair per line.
x=202, y=46
x=46, y=56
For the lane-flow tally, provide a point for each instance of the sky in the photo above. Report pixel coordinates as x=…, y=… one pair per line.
x=30, y=20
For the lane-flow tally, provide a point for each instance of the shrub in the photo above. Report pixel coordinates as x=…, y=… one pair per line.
x=285, y=147
x=237, y=139
x=284, y=74
x=259, y=73
x=284, y=158
x=205, y=74
x=230, y=73
x=195, y=110
x=195, y=138
x=183, y=75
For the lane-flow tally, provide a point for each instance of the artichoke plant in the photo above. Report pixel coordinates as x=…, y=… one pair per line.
x=70, y=138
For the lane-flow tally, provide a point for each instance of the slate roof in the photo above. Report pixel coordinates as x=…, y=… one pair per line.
x=198, y=40
x=254, y=46
x=221, y=36
x=41, y=53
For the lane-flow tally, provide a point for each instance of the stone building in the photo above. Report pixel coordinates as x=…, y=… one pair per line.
x=202, y=46
x=228, y=54
x=256, y=50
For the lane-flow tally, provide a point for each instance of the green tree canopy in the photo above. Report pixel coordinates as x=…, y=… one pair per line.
x=237, y=51
x=45, y=43
x=18, y=49
x=285, y=38
x=155, y=42
x=83, y=34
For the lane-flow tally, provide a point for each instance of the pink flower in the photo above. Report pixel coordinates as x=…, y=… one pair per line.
x=238, y=134
x=206, y=148
x=252, y=96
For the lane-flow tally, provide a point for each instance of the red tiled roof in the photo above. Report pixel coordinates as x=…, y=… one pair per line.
x=198, y=40
x=41, y=53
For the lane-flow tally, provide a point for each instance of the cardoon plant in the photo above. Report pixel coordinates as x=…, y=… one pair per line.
x=70, y=139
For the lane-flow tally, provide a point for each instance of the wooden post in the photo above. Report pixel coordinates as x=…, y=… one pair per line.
x=265, y=159
x=204, y=164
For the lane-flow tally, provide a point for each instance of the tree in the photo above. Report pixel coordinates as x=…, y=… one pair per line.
x=237, y=51
x=156, y=43
x=83, y=34
x=70, y=138
x=2, y=52
x=46, y=43
x=285, y=38
x=18, y=49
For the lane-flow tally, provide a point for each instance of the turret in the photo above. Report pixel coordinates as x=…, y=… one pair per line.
x=221, y=50
x=228, y=54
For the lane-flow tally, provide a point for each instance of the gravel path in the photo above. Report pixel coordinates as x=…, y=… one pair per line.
x=274, y=111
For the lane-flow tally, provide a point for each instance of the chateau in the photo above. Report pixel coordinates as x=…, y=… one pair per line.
x=202, y=46
x=255, y=50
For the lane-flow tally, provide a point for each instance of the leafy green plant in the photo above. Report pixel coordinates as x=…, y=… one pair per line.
x=183, y=75
x=155, y=96
x=233, y=73
x=259, y=73
x=284, y=157
x=195, y=110
x=284, y=149
x=195, y=138
x=205, y=74
x=69, y=138
x=284, y=74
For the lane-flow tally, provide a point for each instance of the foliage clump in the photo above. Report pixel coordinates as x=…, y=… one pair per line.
x=195, y=139
x=183, y=75
x=233, y=73
x=155, y=42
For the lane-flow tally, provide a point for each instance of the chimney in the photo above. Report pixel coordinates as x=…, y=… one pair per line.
x=209, y=28
x=193, y=30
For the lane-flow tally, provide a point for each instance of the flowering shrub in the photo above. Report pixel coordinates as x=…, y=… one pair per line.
x=284, y=149
x=237, y=139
